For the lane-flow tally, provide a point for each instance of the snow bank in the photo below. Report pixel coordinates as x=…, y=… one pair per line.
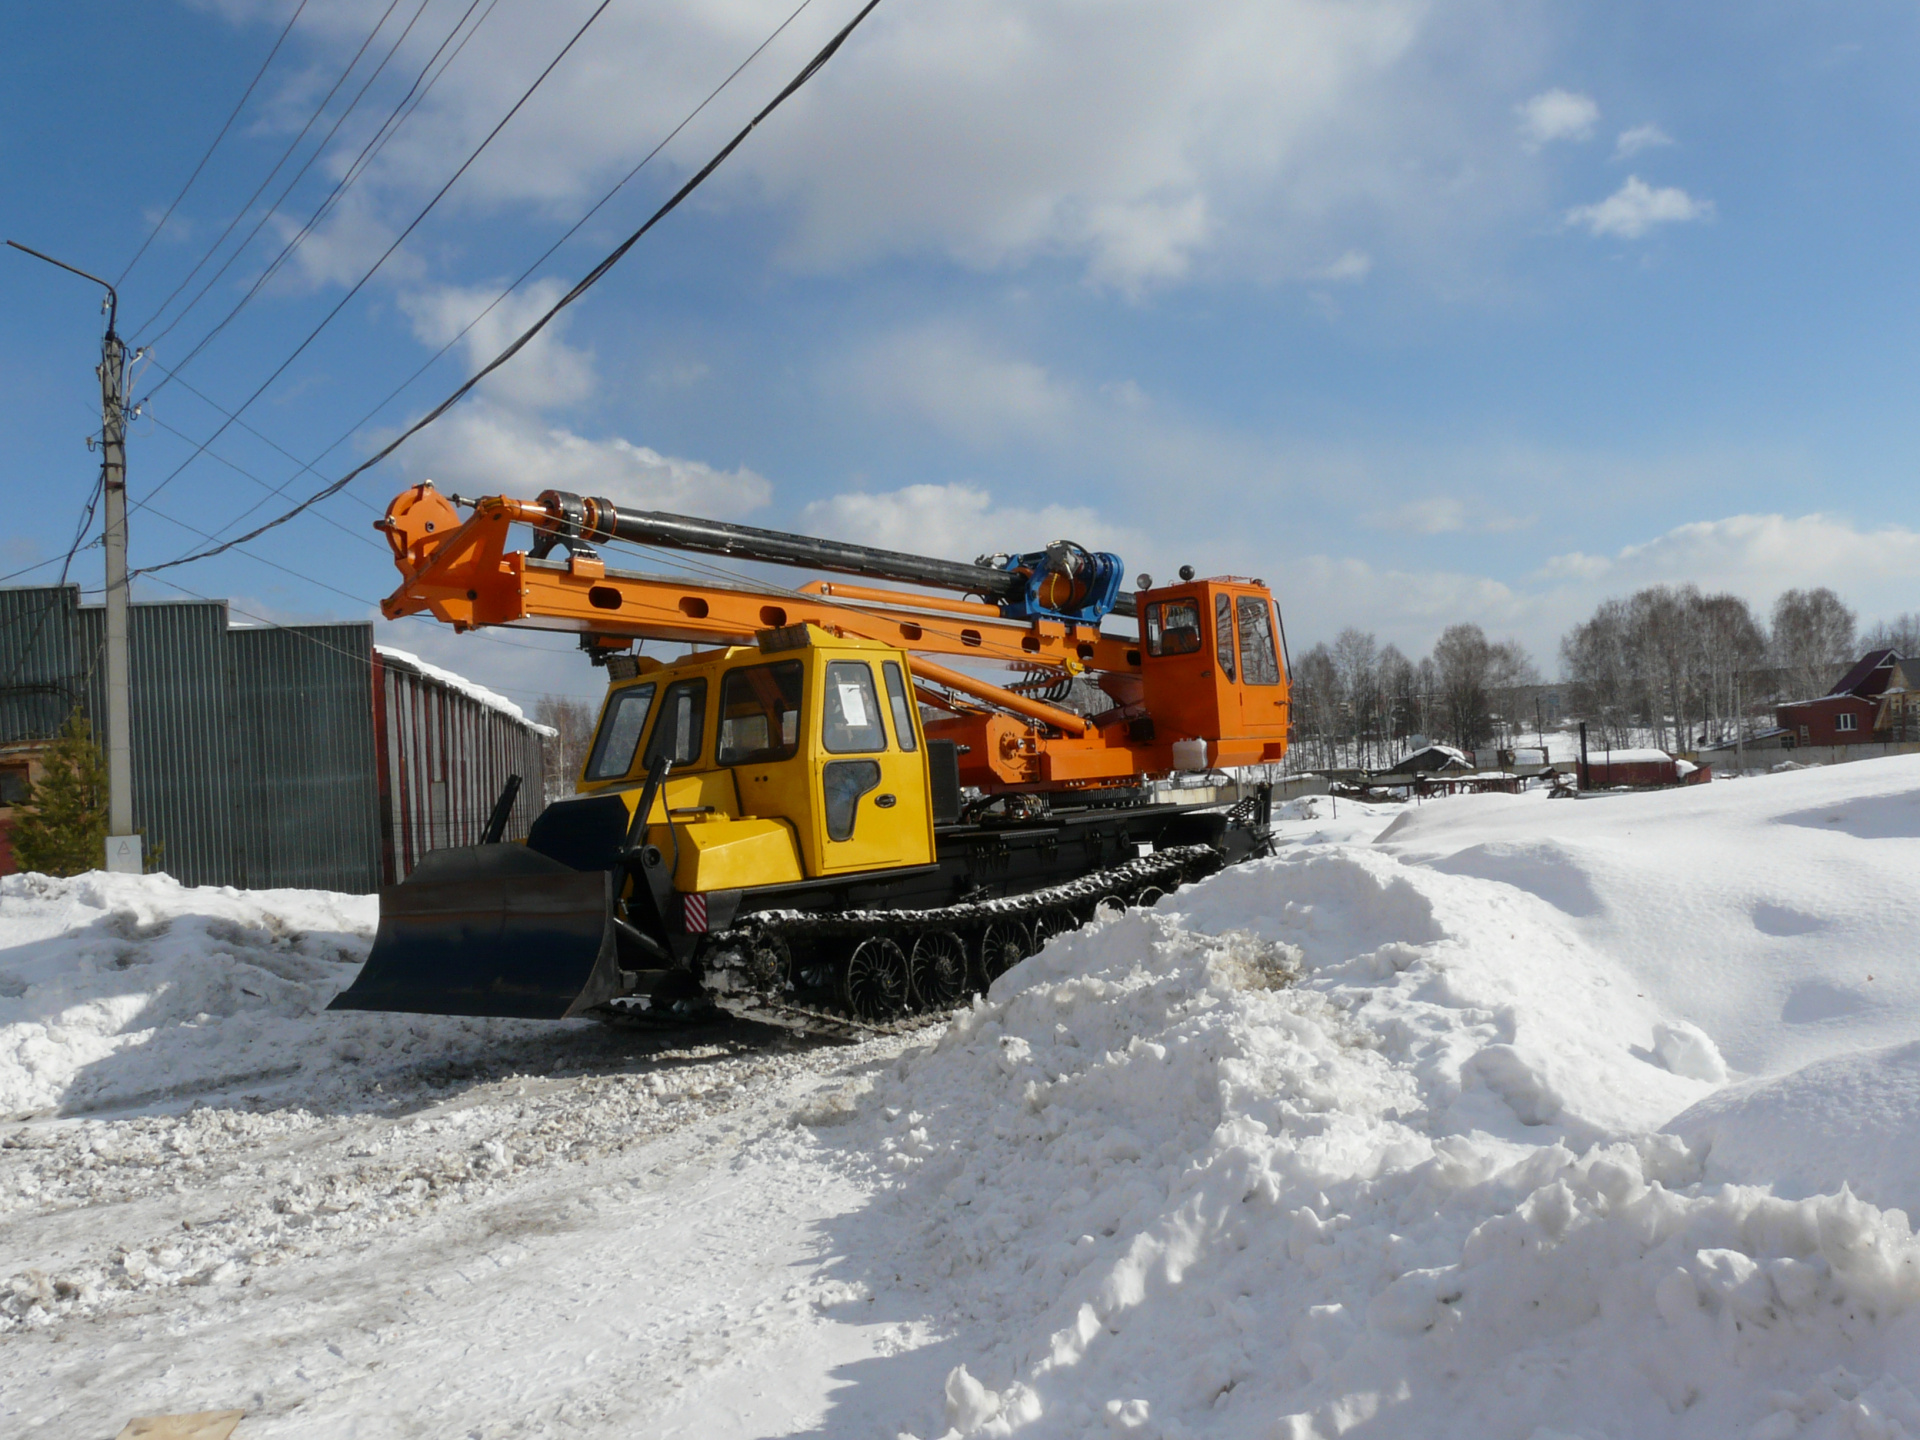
x=1853, y=1118
x=1371, y=1138
x=119, y=990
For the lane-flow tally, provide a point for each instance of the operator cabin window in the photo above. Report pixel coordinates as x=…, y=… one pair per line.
x=760, y=714
x=1846, y=722
x=620, y=732
x=1223, y=632
x=683, y=715
x=852, y=710
x=1173, y=627
x=1258, y=663
x=902, y=704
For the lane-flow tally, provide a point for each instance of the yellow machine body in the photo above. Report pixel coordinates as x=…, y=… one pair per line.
x=798, y=758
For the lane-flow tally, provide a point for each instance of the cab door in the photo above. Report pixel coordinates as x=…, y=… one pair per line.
x=873, y=812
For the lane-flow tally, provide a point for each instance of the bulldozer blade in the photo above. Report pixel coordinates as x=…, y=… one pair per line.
x=493, y=930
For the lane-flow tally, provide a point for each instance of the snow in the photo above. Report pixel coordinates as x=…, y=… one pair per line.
x=1629, y=757
x=459, y=683
x=1493, y=1116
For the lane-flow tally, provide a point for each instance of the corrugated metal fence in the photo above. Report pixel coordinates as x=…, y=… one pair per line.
x=286, y=756
x=444, y=758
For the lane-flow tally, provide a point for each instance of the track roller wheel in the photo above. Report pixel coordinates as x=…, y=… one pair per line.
x=1004, y=945
x=875, y=984
x=1052, y=921
x=938, y=967
x=1108, y=906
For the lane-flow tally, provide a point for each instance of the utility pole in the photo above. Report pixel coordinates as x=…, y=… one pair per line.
x=123, y=845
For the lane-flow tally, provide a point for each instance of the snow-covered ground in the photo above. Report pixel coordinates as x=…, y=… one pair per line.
x=1492, y=1117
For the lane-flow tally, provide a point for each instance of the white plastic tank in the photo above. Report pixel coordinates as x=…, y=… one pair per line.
x=1189, y=754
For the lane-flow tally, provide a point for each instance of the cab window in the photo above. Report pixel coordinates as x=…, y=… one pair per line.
x=1173, y=627
x=1258, y=663
x=1223, y=632
x=902, y=704
x=852, y=710
x=620, y=728
x=760, y=714
x=683, y=715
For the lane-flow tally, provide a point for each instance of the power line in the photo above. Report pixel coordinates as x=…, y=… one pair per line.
x=266, y=485
x=246, y=95
x=586, y=283
x=273, y=207
x=388, y=128
x=307, y=467
x=267, y=180
x=327, y=319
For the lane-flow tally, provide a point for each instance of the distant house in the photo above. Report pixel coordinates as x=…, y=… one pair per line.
x=1877, y=700
x=1431, y=760
x=1611, y=769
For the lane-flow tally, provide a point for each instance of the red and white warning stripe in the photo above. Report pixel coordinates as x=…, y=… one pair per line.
x=694, y=907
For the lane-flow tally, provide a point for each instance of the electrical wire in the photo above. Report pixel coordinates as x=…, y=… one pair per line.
x=304, y=632
x=398, y=116
x=586, y=283
x=427, y=209
x=273, y=207
x=307, y=467
x=267, y=180
x=246, y=95
x=266, y=485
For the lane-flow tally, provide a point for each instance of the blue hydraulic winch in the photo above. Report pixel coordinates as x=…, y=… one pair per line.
x=1065, y=582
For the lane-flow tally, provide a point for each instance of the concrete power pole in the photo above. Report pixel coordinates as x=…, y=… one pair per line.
x=123, y=845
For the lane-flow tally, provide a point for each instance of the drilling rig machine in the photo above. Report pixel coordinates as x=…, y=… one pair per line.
x=813, y=816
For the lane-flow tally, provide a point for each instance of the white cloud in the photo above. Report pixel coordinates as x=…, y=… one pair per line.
x=1636, y=207
x=1137, y=142
x=1557, y=115
x=546, y=373
x=1757, y=556
x=1640, y=137
x=1437, y=516
x=947, y=375
x=959, y=522
x=488, y=449
x=1352, y=267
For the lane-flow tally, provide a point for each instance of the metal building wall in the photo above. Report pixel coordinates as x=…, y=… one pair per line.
x=271, y=757
x=42, y=672
x=444, y=757
x=302, y=732
x=182, y=756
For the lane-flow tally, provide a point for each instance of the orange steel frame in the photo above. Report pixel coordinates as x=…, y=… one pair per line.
x=462, y=573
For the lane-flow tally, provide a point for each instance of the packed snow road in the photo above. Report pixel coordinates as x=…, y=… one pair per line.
x=1498, y=1117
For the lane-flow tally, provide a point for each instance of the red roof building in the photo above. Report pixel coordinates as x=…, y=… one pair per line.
x=1877, y=700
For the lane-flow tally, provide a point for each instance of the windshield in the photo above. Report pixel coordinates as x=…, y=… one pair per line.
x=683, y=715
x=620, y=727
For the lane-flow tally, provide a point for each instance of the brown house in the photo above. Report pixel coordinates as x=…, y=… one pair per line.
x=1877, y=700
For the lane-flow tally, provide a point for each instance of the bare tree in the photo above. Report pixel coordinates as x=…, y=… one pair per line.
x=1316, y=705
x=566, y=752
x=1667, y=659
x=1470, y=669
x=1900, y=634
x=1356, y=662
x=1812, y=640
x=1399, y=698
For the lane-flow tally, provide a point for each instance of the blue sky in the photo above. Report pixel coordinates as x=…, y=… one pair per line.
x=1423, y=313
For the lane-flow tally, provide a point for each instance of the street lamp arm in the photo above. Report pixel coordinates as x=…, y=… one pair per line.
x=113, y=296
